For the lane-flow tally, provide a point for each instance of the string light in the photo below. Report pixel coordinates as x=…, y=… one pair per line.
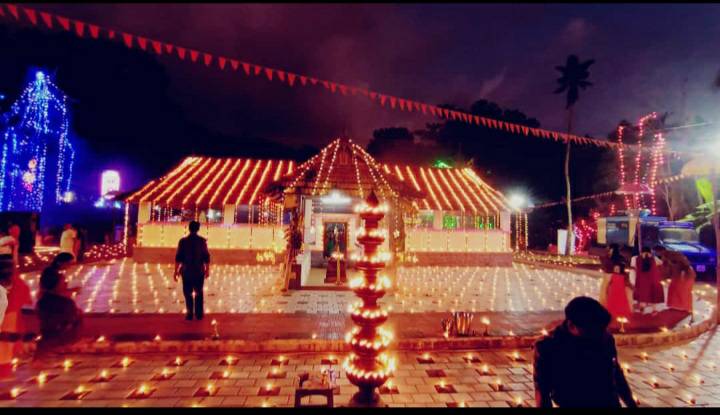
x=37, y=121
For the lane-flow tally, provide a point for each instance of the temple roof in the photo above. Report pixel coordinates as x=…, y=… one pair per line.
x=204, y=182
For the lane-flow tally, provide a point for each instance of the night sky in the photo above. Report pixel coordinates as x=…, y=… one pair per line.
x=144, y=111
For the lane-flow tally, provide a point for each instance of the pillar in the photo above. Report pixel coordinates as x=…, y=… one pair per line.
x=228, y=214
x=437, y=219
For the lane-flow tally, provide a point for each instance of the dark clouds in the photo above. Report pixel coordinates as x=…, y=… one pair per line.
x=432, y=52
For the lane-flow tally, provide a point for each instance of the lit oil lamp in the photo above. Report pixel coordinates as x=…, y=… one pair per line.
x=485, y=370
x=104, y=375
x=498, y=384
x=622, y=321
x=226, y=374
x=15, y=392
x=100, y=339
x=41, y=378
x=690, y=399
x=79, y=390
x=671, y=367
x=125, y=362
x=654, y=382
x=644, y=356
x=625, y=367
x=143, y=390
x=157, y=338
x=178, y=361
x=165, y=373
x=67, y=364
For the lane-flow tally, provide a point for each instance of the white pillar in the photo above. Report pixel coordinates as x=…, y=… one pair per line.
x=144, y=212
x=505, y=221
x=437, y=219
x=228, y=214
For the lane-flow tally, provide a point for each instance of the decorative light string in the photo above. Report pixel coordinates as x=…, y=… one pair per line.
x=146, y=44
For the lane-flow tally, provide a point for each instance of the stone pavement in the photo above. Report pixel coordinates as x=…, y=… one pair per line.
x=683, y=375
x=124, y=286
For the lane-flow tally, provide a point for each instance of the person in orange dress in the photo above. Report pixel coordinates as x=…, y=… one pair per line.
x=682, y=280
x=618, y=303
x=648, y=288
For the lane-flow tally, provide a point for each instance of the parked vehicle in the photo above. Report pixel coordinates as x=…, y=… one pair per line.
x=657, y=231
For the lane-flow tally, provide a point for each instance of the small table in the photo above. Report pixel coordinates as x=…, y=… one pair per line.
x=311, y=386
x=331, y=274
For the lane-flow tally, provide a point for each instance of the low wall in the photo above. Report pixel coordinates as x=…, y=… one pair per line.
x=461, y=259
x=144, y=254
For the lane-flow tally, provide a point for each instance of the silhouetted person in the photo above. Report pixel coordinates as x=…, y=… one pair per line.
x=576, y=365
x=60, y=319
x=192, y=262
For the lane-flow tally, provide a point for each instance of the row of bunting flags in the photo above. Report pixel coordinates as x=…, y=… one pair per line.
x=83, y=29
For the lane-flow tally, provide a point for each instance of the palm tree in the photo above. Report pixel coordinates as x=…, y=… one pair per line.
x=574, y=77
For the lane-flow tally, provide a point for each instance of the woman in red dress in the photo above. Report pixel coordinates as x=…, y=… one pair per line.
x=618, y=303
x=648, y=289
x=682, y=280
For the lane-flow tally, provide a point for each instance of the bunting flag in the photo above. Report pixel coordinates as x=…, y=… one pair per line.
x=12, y=13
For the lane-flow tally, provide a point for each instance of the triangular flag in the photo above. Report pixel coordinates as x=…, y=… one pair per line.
x=157, y=46
x=2, y=13
x=64, y=22
x=221, y=62
x=303, y=80
x=393, y=101
x=372, y=95
x=333, y=87
x=291, y=78
x=246, y=68
x=234, y=64
x=31, y=15
x=257, y=69
x=94, y=31
x=432, y=109
x=343, y=89
x=353, y=90
x=445, y=111
x=79, y=27
x=194, y=55
x=417, y=105
x=555, y=135
x=111, y=34
x=142, y=42
x=313, y=81
x=382, y=99
x=47, y=18
x=281, y=75
x=269, y=73
x=476, y=119
x=207, y=58
x=525, y=130
x=484, y=122
x=127, y=38
x=326, y=84
x=181, y=52
x=423, y=107
x=402, y=103
x=168, y=48
x=14, y=11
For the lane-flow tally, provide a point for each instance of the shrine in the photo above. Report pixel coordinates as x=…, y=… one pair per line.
x=250, y=208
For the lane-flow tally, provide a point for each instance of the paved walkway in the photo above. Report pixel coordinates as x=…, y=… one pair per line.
x=686, y=375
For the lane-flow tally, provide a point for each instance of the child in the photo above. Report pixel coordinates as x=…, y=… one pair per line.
x=648, y=289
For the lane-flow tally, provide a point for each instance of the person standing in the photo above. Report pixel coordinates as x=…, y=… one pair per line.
x=682, y=281
x=18, y=296
x=192, y=262
x=618, y=297
x=576, y=365
x=6, y=272
x=69, y=240
x=648, y=289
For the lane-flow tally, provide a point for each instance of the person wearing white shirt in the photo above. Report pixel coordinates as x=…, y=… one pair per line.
x=69, y=240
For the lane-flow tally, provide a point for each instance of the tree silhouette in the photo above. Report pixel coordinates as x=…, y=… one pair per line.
x=574, y=77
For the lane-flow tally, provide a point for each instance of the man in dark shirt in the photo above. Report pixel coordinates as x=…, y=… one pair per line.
x=60, y=319
x=576, y=365
x=192, y=262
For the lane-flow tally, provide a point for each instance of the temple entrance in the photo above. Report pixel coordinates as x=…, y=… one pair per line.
x=335, y=239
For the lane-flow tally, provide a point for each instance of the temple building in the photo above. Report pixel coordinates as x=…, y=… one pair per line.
x=437, y=216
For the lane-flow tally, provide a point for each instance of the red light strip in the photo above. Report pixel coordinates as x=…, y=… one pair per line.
x=226, y=178
x=239, y=177
x=210, y=173
x=260, y=183
x=222, y=173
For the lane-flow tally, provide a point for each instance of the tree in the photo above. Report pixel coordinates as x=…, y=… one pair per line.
x=574, y=77
x=384, y=137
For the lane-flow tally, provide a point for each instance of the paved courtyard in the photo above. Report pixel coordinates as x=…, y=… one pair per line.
x=684, y=375
x=123, y=286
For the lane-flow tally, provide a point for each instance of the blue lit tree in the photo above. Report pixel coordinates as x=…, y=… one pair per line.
x=37, y=156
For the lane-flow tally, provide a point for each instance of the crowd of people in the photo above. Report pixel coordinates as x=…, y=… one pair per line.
x=637, y=286
x=59, y=317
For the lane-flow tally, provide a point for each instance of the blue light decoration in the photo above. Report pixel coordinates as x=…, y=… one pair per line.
x=37, y=156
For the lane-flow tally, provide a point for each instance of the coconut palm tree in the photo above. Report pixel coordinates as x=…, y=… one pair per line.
x=574, y=77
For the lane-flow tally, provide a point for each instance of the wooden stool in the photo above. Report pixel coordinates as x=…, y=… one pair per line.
x=312, y=387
